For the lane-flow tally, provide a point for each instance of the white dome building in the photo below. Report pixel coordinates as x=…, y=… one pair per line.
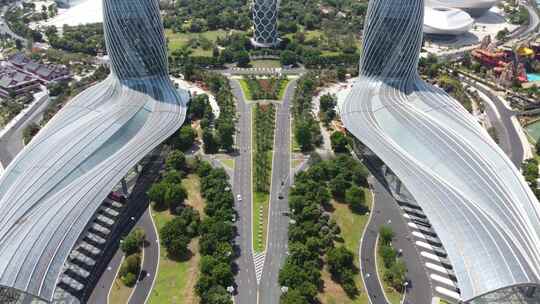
x=475, y=8
x=446, y=21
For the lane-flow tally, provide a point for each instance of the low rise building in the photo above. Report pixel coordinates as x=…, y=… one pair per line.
x=14, y=83
x=45, y=73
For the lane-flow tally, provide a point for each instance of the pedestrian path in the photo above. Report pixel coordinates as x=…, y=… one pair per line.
x=258, y=259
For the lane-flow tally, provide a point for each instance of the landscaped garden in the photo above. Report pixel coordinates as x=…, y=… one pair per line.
x=321, y=262
x=192, y=209
x=263, y=139
x=390, y=267
x=267, y=88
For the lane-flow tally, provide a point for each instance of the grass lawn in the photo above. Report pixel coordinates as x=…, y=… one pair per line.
x=266, y=64
x=352, y=225
x=245, y=89
x=228, y=162
x=249, y=97
x=282, y=88
x=176, y=280
x=260, y=220
x=119, y=292
x=179, y=40
x=393, y=296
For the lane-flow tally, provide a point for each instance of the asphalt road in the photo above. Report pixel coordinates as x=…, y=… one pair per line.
x=276, y=249
x=136, y=214
x=11, y=144
x=386, y=211
x=4, y=29
x=534, y=19
x=501, y=119
x=245, y=278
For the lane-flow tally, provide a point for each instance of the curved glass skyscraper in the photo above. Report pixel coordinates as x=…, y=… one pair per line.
x=52, y=189
x=265, y=14
x=477, y=201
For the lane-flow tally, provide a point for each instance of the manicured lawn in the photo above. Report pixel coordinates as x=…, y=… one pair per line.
x=352, y=225
x=176, y=280
x=245, y=89
x=282, y=88
x=179, y=40
x=228, y=162
x=263, y=82
x=266, y=64
x=119, y=292
x=260, y=220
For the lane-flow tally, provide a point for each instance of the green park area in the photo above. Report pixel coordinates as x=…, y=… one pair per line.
x=176, y=278
x=352, y=225
x=201, y=44
x=263, y=125
x=263, y=88
x=119, y=292
x=390, y=268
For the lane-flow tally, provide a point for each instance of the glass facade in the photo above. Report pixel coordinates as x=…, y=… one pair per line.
x=53, y=189
x=482, y=210
x=265, y=14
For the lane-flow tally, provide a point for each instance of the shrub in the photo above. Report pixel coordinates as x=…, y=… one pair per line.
x=133, y=242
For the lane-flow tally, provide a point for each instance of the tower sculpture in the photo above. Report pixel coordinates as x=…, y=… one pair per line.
x=265, y=14
x=53, y=188
x=475, y=199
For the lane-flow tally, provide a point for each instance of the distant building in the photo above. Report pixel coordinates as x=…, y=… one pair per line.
x=475, y=8
x=45, y=73
x=265, y=13
x=446, y=21
x=15, y=83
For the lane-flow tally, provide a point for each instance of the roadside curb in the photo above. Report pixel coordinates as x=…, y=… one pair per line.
x=159, y=254
x=362, y=241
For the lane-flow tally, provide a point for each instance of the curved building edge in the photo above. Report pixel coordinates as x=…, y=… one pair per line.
x=53, y=188
x=478, y=203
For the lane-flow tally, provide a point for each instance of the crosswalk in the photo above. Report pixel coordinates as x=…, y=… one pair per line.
x=258, y=70
x=258, y=259
x=432, y=253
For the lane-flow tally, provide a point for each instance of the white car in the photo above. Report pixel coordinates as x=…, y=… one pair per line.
x=239, y=197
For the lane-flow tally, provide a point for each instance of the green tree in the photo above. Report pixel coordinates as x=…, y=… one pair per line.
x=156, y=194
x=131, y=264
x=339, y=142
x=133, y=242
x=175, y=196
x=338, y=186
x=303, y=136
x=288, y=57
x=184, y=138
x=386, y=234
x=356, y=198
x=293, y=296
x=338, y=259
x=388, y=254
x=242, y=58
x=210, y=142
x=396, y=275
x=225, y=132
x=199, y=105
x=176, y=160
